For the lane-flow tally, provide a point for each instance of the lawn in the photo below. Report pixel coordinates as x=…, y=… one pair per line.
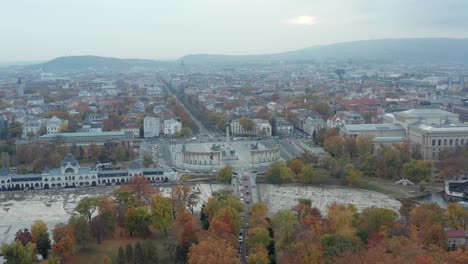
x=110, y=247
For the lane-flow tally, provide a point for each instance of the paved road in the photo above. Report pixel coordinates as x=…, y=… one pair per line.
x=245, y=189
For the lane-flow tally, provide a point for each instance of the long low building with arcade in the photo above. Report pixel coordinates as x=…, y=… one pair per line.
x=71, y=174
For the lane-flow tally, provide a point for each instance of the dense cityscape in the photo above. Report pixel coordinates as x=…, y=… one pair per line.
x=350, y=151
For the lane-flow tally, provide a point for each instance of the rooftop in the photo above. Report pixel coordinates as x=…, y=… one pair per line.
x=419, y=113
x=373, y=127
x=90, y=134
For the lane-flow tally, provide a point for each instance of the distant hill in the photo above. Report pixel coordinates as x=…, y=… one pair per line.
x=423, y=50
x=80, y=63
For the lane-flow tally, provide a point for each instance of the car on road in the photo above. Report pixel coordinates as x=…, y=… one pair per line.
x=248, y=201
x=247, y=192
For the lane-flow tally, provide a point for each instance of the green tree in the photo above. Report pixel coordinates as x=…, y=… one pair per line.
x=87, y=206
x=4, y=160
x=258, y=235
x=129, y=253
x=335, y=245
x=138, y=257
x=283, y=223
x=137, y=220
x=119, y=153
x=43, y=244
x=372, y=219
x=147, y=160
x=16, y=253
x=37, y=228
x=247, y=124
x=307, y=175
x=150, y=252
x=352, y=175
x=279, y=172
x=224, y=174
x=323, y=109
x=82, y=231
x=121, y=256
x=418, y=170
x=161, y=213
x=42, y=131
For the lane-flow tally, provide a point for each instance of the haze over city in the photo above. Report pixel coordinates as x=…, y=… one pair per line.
x=43, y=30
x=233, y=131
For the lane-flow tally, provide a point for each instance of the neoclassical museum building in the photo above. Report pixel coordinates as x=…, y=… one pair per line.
x=71, y=174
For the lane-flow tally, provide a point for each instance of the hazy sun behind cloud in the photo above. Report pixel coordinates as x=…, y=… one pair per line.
x=302, y=20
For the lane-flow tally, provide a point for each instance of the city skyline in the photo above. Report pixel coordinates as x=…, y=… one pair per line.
x=51, y=28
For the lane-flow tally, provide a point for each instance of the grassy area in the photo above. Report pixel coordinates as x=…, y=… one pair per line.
x=111, y=246
x=371, y=187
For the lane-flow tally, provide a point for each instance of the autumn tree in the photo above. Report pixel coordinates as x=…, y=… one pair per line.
x=23, y=236
x=257, y=215
x=224, y=174
x=38, y=227
x=247, y=124
x=456, y=215
x=226, y=221
x=296, y=166
x=453, y=162
x=161, y=213
x=406, y=206
x=427, y=214
x=213, y=251
x=188, y=230
x=334, y=145
x=142, y=189
x=259, y=255
x=341, y=218
x=65, y=241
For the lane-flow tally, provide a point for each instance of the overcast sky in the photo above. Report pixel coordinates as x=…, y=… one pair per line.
x=166, y=29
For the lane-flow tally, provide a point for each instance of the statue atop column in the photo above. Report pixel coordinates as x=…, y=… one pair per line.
x=228, y=125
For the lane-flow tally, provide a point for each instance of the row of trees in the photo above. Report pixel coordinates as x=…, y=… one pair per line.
x=296, y=170
x=360, y=157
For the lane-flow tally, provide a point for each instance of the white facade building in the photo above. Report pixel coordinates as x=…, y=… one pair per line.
x=151, y=127
x=261, y=128
x=312, y=124
x=54, y=124
x=171, y=126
